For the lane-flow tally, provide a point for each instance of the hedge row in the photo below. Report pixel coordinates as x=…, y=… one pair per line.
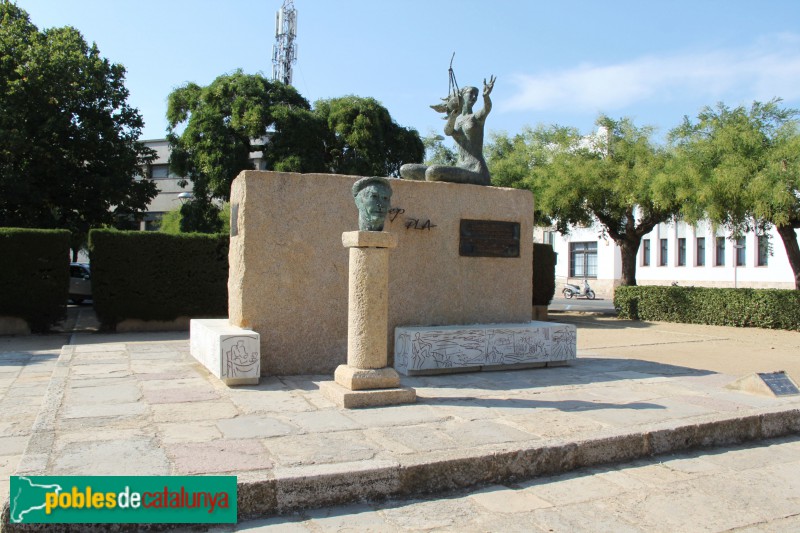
x=544, y=274
x=762, y=308
x=156, y=276
x=34, y=275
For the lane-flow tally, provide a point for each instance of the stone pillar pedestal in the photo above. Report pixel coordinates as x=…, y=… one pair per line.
x=366, y=380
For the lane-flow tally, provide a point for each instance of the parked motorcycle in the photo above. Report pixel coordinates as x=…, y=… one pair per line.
x=571, y=290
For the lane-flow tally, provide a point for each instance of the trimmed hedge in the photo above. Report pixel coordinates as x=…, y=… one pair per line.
x=156, y=276
x=761, y=308
x=34, y=275
x=544, y=274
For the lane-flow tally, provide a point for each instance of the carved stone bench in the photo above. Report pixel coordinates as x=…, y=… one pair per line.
x=229, y=352
x=447, y=349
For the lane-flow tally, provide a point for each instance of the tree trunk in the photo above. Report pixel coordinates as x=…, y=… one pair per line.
x=75, y=255
x=629, y=249
x=789, y=238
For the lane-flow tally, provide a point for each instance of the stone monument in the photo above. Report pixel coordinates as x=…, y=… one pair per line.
x=367, y=380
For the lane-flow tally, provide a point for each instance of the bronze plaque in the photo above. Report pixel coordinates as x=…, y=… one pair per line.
x=489, y=238
x=779, y=383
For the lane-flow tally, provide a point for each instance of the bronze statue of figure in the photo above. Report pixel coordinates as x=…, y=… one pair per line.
x=373, y=199
x=466, y=129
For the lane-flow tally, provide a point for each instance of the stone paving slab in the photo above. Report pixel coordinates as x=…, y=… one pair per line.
x=26, y=363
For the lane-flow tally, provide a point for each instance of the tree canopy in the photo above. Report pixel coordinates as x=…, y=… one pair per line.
x=69, y=150
x=744, y=167
x=363, y=140
x=213, y=130
x=617, y=177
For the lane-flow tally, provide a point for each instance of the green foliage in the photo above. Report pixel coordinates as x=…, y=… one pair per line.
x=69, y=156
x=763, y=308
x=300, y=147
x=726, y=149
x=200, y=215
x=221, y=124
x=175, y=222
x=544, y=274
x=363, y=140
x=743, y=168
x=617, y=177
x=171, y=222
x=156, y=276
x=437, y=152
x=34, y=275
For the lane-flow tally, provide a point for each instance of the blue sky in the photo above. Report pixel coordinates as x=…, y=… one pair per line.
x=555, y=62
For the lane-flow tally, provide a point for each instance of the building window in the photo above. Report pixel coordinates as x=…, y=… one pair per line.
x=763, y=250
x=583, y=259
x=720, y=259
x=662, y=256
x=160, y=172
x=682, y=251
x=550, y=238
x=646, y=252
x=741, y=252
x=701, y=251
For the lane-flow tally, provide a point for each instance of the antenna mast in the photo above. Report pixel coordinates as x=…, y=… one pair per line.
x=284, y=51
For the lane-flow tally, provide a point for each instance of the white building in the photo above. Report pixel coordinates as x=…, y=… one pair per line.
x=167, y=183
x=689, y=255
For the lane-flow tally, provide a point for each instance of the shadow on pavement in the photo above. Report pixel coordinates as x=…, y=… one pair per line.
x=581, y=371
x=521, y=403
x=597, y=321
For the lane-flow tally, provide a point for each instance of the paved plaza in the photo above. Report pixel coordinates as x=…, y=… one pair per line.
x=139, y=404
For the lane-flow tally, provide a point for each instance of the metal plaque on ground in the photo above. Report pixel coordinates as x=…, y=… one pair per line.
x=779, y=383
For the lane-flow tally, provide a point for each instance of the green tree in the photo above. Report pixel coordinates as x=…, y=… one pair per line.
x=69, y=150
x=220, y=125
x=362, y=139
x=618, y=178
x=437, y=152
x=744, y=167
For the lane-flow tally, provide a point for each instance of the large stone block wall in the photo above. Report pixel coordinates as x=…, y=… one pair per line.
x=288, y=268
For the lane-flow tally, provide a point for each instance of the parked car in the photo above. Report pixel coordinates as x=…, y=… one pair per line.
x=80, y=282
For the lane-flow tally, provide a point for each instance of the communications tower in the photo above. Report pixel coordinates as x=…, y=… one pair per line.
x=284, y=51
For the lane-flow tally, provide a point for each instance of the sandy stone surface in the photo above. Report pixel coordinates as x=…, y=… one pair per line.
x=289, y=271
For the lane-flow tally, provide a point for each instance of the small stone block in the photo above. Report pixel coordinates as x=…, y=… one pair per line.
x=350, y=399
x=229, y=352
x=447, y=349
x=369, y=239
x=365, y=379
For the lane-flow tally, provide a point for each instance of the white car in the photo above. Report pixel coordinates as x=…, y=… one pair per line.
x=80, y=282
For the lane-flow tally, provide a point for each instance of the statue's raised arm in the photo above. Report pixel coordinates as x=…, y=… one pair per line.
x=487, y=102
x=466, y=128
